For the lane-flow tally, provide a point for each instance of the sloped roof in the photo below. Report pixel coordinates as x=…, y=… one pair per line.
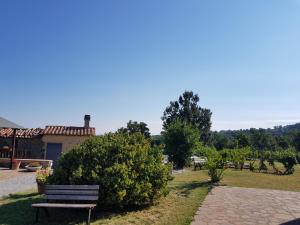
x=69, y=131
x=4, y=123
x=24, y=133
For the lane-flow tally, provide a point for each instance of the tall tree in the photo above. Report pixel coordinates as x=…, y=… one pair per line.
x=136, y=127
x=262, y=140
x=242, y=140
x=282, y=141
x=220, y=141
x=297, y=141
x=187, y=110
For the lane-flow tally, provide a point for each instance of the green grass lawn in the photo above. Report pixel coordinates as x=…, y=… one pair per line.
x=187, y=191
x=249, y=179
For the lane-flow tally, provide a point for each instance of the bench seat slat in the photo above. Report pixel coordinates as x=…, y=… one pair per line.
x=72, y=187
x=61, y=205
x=71, y=192
x=72, y=197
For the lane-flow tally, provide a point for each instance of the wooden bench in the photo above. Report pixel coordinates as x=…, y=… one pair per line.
x=74, y=193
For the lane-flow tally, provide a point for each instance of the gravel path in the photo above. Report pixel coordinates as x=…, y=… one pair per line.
x=249, y=206
x=16, y=183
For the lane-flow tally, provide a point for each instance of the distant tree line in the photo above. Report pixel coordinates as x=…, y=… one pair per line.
x=278, y=138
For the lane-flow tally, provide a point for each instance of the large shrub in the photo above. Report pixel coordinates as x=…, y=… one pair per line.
x=127, y=169
x=180, y=139
x=216, y=162
x=287, y=157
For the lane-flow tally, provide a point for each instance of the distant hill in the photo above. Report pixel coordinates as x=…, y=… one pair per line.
x=277, y=130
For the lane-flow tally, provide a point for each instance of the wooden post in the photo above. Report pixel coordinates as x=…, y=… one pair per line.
x=12, y=156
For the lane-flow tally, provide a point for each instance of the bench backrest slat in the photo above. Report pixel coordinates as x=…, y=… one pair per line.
x=73, y=187
x=72, y=192
x=72, y=197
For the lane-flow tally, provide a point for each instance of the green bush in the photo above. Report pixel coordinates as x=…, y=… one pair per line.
x=287, y=157
x=237, y=156
x=180, y=139
x=215, y=163
x=127, y=169
x=289, y=160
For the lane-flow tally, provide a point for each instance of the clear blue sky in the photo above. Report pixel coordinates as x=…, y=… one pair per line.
x=122, y=60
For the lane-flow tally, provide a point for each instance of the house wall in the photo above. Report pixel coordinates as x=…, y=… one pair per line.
x=68, y=142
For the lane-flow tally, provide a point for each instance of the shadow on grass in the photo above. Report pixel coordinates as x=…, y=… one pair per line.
x=111, y=213
x=186, y=188
x=19, y=196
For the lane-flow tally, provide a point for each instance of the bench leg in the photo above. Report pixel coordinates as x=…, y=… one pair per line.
x=89, y=217
x=94, y=214
x=46, y=211
x=37, y=215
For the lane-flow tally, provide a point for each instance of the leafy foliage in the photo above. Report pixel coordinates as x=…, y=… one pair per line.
x=136, y=127
x=157, y=139
x=261, y=140
x=215, y=164
x=180, y=140
x=296, y=141
x=237, y=156
x=280, y=137
x=242, y=141
x=220, y=141
x=282, y=142
x=287, y=157
x=187, y=110
x=42, y=176
x=127, y=169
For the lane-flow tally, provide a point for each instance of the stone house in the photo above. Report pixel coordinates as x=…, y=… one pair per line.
x=48, y=143
x=60, y=139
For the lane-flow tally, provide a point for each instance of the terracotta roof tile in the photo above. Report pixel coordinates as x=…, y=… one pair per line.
x=69, y=131
x=24, y=133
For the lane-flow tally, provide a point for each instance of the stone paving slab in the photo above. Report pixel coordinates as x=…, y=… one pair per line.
x=248, y=206
x=13, y=181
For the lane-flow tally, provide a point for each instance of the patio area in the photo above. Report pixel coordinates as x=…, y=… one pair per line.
x=13, y=181
x=249, y=206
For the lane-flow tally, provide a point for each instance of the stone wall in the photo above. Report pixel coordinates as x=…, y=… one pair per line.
x=68, y=142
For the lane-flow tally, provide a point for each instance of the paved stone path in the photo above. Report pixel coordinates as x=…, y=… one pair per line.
x=14, y=181
x=248, y=206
